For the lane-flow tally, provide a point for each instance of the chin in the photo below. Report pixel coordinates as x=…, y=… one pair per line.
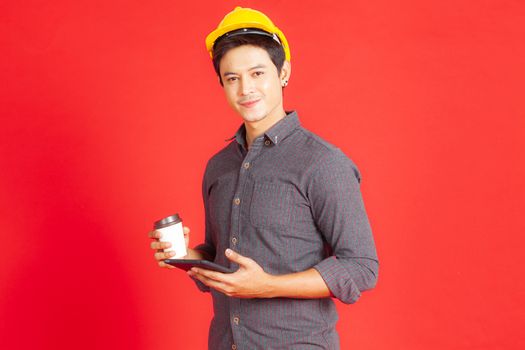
x=253, y=117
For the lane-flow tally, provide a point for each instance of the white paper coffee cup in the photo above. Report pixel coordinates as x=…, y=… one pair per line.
x=172, y=231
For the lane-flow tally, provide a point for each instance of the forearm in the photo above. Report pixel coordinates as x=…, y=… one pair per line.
x=303, y=285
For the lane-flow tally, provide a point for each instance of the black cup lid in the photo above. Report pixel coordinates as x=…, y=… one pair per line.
x=167, y=221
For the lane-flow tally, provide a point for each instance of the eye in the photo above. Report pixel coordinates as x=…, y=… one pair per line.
x=258, y=73
x=231, y=79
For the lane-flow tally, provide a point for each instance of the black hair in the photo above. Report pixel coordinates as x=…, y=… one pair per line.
x=223, y=45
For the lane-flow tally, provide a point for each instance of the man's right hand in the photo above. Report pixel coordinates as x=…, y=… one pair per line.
x=159, y=247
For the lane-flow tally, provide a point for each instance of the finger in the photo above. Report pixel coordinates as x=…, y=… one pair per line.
x=186, y=235
x=167, y=266
x=217, y=285
x=154, y=234
x=212, y=275
x=237, y=258
x=164, y=255
x=160, y=245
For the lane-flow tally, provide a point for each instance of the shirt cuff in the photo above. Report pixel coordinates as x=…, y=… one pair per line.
x=209, y=251
x=338, y=280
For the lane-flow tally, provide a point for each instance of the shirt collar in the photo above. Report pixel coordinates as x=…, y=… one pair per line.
x=275, y=134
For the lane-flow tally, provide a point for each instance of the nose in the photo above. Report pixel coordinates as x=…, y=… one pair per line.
x=246, y=86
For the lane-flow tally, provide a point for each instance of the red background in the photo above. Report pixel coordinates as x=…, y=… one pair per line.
x=110, y=110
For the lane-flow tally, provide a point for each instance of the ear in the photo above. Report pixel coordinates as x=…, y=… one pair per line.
x=286, y=72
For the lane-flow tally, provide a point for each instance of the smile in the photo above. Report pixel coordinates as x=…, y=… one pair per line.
x=248, y=104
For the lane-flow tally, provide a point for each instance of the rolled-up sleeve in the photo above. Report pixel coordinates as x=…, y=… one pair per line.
x=339, y=212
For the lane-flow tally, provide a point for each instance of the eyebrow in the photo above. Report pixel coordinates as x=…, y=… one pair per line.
x=252, y=68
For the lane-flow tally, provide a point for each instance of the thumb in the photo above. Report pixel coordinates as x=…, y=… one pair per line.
x=237, y=258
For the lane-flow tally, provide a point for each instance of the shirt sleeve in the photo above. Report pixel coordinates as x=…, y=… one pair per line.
x=208, y=247
x=340, y=215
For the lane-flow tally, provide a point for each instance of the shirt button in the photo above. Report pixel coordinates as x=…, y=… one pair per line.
x=267, y=142
x=246, y=165
x=234, y=347
x=237, y=201
x=236, y=320
x=234, y=241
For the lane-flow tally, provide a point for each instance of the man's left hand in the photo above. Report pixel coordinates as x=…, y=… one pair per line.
x=249, y=281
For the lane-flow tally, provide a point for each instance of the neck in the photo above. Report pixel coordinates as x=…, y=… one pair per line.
x=258, y=128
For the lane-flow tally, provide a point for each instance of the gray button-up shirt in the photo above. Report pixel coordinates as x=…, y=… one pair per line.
x=291, y=202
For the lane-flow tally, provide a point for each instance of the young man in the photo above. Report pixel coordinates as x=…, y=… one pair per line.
x=283, y=208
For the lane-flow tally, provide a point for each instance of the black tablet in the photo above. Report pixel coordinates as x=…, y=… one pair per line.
x=187, y=264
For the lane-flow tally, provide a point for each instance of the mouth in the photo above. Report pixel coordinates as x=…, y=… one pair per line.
x=249, y=104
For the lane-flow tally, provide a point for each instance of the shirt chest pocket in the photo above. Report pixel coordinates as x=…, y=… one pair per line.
x=271, y=205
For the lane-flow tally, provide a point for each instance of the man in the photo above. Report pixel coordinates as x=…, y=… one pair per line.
x=283, y=208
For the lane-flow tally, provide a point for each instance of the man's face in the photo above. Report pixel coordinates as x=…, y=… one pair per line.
x=252, y=84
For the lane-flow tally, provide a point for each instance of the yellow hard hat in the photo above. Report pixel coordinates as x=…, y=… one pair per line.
x=246, y=18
